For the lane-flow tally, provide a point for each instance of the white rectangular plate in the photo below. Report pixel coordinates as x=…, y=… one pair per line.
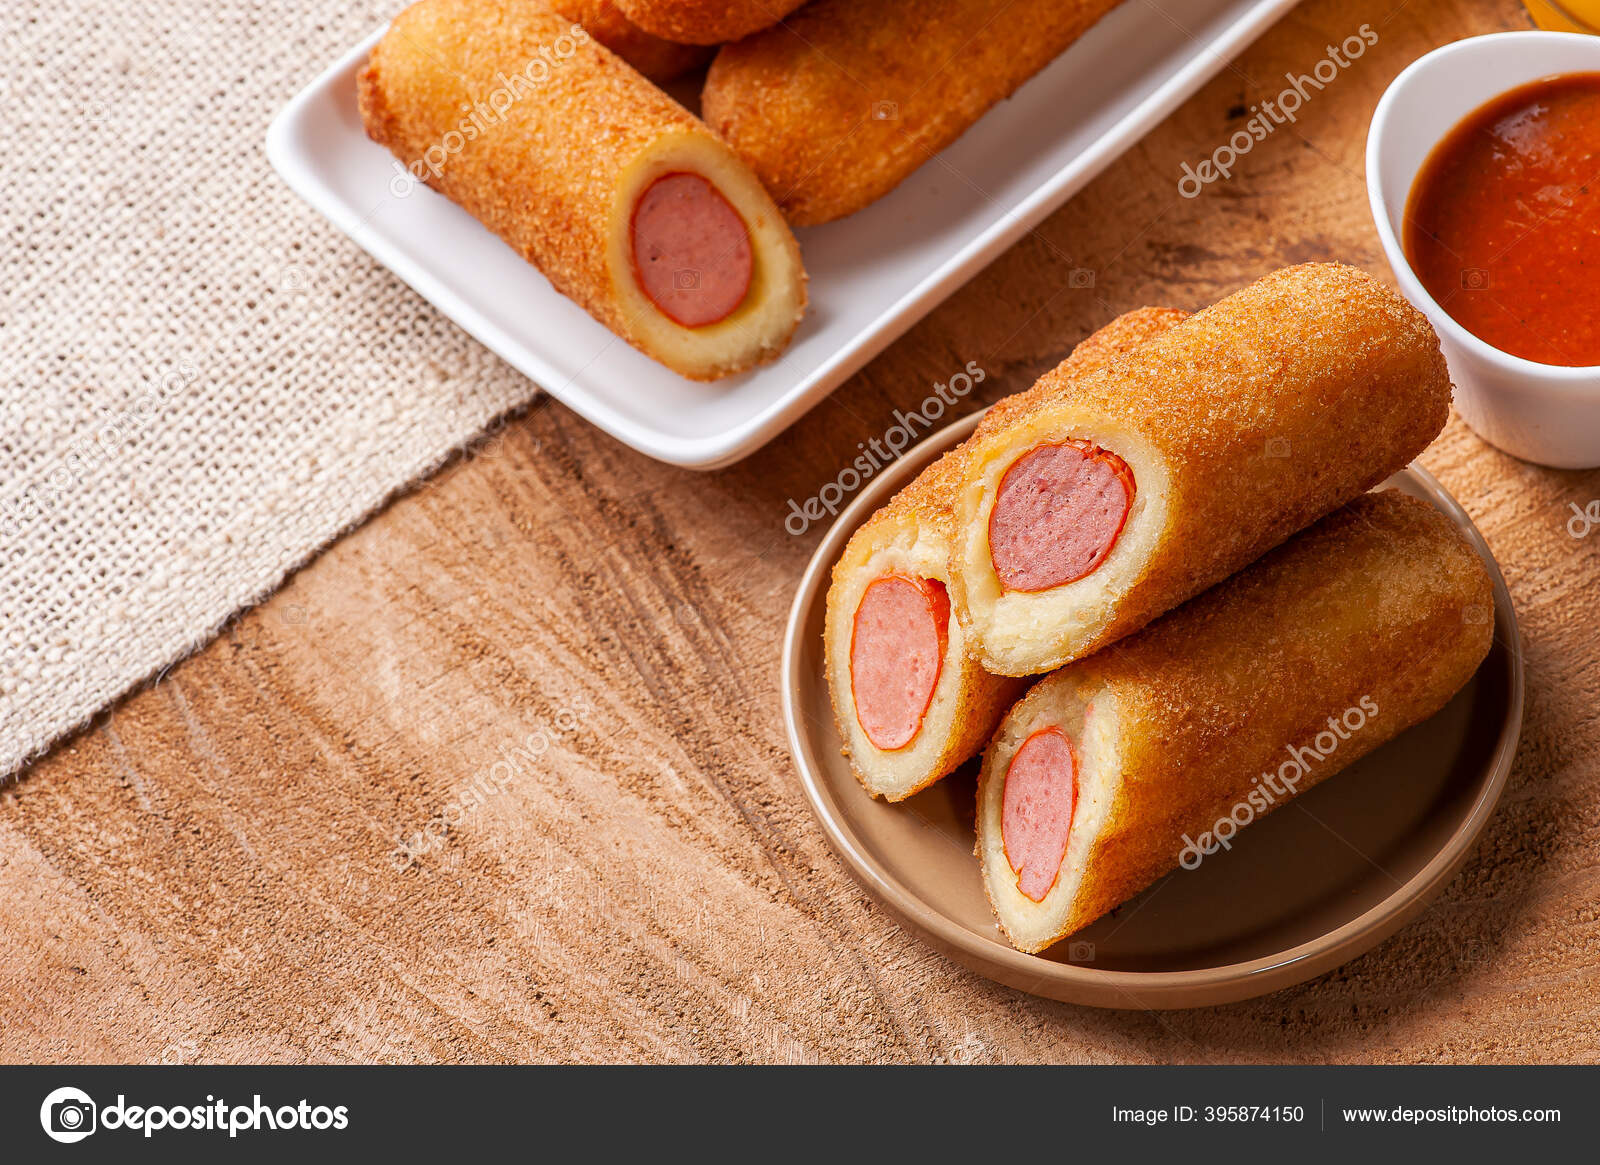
x=873, y=274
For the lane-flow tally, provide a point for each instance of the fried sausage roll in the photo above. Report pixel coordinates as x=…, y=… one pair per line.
x=706, y=22
x=1092, y=504
x=659, y=60
x=840, y=104
x=1119, y=767
x=909, y=699
x=628, y=204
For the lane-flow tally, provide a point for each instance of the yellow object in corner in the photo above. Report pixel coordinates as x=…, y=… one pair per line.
x=1566, y=15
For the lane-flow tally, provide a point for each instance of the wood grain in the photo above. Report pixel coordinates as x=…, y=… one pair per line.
x=210, y=872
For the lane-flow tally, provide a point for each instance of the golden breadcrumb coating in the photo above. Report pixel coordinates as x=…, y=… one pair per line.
x=835, y=107
x=706, y=22
x=548, y=139
x=912, y=531
x=1241, y=425
x=1375, y=617
x=659, y=60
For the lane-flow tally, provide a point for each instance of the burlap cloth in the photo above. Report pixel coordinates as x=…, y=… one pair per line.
x=203, y=381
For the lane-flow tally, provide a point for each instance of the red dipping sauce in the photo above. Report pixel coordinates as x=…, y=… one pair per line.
x=1502, y=224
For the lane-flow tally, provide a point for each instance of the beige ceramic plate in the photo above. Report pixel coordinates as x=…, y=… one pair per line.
x=1329, y=876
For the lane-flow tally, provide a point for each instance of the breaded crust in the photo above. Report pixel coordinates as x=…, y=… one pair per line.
x=556, y=170
x=1242, y=424
x=1382, y=607
x=916, y=523
x=706, y=22
x=659, y=60
x=835, y=108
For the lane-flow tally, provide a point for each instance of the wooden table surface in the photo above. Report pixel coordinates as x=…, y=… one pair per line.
x=553, y=667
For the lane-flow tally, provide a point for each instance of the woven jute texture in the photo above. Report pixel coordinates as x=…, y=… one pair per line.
x=203, y=381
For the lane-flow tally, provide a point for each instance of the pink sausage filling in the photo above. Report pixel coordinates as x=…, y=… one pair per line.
x=1058, y=513
x=897, y=648
x=1041, y=792
x=691, y=250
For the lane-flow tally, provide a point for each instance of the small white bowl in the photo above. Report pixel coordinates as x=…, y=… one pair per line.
x=1539, y=412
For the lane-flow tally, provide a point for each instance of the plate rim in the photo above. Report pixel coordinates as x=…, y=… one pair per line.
x=1074, y=983
x=294, y=164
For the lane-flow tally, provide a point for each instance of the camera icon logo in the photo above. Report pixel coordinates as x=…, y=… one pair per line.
x=885, y=111
x=1080, y=952
x=686, y=279
x=1080, y=277
x=68, y=1115
x=1277, y=446
x=1474, y=279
